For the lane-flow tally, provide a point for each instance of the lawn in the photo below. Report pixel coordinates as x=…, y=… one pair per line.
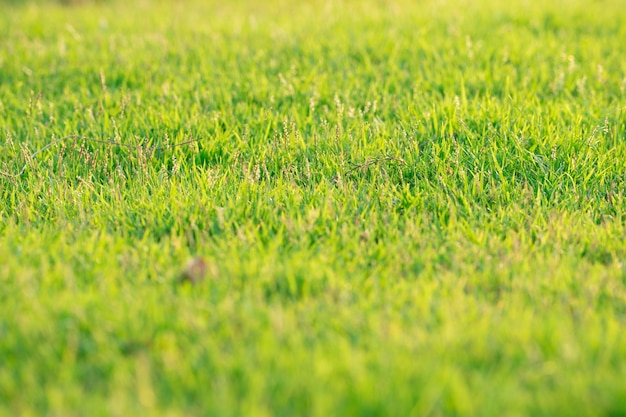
x=404, y=208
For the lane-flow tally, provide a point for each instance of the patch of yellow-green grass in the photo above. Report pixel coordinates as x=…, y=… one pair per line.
x=399, y=208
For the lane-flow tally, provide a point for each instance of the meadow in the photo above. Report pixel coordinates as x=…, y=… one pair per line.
x=405, y=208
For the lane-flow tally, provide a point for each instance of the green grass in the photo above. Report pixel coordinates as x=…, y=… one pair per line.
x=408, y=208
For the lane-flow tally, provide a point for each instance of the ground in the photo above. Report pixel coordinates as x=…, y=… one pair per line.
x=397, y=208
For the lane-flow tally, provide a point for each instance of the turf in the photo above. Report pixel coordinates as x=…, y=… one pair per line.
x=406, y=208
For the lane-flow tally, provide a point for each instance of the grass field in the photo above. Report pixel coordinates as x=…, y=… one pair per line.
x=406, y=208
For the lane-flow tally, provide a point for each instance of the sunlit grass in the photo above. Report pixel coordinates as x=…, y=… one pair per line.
x=404, y=208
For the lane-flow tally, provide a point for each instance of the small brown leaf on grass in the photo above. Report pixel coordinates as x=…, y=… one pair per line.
x=194, y=272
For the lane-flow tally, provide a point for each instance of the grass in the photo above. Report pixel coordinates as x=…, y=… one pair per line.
x=407, y=208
